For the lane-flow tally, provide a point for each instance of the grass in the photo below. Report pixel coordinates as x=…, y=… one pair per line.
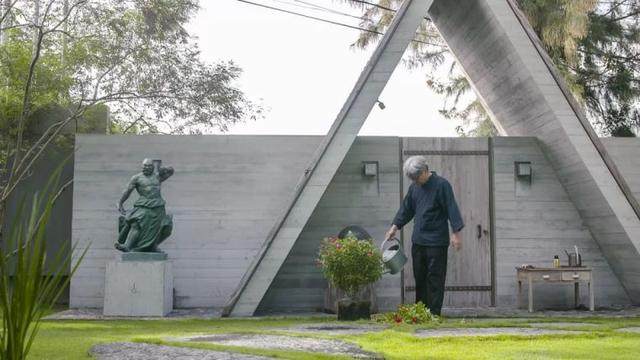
x=71, y=339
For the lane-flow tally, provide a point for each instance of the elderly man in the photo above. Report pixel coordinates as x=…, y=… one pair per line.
x=431, y=203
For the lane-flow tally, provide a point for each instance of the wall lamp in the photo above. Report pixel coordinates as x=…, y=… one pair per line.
x=380, y=104
x=523, y=171
x=370, y=168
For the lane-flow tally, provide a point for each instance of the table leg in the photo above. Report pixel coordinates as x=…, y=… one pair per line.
x=576, y=294
x=592, y=305
x=530, y=294
x=519, y=303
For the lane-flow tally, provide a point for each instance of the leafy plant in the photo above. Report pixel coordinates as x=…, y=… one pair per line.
x=408, y=314
x=27, y=290
x=350, y=264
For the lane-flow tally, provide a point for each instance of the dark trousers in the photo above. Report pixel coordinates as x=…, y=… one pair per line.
x=429, y=271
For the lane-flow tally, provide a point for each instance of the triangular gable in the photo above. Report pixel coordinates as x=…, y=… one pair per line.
x=328, y=158
x=517, y=81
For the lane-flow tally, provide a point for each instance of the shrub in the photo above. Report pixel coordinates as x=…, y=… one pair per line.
x=408, y=314
x=350, y=264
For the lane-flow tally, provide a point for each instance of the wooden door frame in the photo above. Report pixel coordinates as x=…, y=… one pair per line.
x=490, y=165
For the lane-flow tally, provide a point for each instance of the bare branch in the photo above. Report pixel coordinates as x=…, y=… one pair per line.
x=7, y=11
x=26, y=98
x=66, y=16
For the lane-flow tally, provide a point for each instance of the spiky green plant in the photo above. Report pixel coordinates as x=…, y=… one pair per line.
x=27, y=289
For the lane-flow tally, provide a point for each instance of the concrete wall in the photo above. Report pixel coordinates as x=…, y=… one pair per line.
x=228, y=191
x=534, y=223
x=626, y=154
x=224, y=197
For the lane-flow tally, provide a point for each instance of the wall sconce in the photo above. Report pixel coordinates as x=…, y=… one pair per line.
x=523, y=171
x=380, y=104
x=370, y=168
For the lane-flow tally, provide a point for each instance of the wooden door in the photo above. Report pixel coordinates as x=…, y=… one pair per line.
x=465, y=163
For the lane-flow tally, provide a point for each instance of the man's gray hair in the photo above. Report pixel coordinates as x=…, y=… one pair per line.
x=414, y=166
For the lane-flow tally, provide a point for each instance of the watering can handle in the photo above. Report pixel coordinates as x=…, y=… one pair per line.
x=393, y=239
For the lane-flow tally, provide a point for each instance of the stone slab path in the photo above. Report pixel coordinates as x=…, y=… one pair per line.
x=629, y=330
x=334, y=328
x=564, y=325
x=282, y=342
x=140, y=351
x=432, y=333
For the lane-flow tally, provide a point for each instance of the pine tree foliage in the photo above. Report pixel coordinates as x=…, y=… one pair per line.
x=595, y=44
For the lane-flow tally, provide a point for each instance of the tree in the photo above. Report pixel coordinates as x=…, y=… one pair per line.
x=133, y=56
x=608, y=73
x=443, y=73
x=589, y=41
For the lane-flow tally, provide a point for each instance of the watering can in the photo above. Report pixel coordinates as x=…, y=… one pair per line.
x=393, y=257
x=575, y=258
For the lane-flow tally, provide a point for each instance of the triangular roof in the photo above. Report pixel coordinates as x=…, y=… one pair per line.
x=525, y=96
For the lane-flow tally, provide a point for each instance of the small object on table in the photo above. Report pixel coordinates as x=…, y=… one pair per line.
x=525, y=266
x=556, y=261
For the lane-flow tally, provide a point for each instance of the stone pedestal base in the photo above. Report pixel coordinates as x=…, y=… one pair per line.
x=138, y=285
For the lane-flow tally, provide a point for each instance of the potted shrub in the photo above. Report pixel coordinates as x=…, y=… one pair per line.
x=350, y=264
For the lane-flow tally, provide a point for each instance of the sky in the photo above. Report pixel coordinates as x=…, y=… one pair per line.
x=302, y=70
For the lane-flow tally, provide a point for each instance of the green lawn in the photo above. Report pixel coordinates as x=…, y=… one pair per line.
x=72, y=339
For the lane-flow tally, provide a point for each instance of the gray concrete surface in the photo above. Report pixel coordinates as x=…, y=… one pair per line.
x=138, y=288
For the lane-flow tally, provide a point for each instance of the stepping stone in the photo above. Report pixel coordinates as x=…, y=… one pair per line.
x=334, y=329
x=431, y=333
x=564, y=324
x=282, y=342
x=141, y=351
x=629, y=330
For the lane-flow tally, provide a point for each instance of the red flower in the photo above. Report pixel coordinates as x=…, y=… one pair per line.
x=414, y=320
x=398, y=319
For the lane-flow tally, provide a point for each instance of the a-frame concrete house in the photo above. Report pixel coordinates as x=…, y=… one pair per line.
x=525, y=95
x=250, y=211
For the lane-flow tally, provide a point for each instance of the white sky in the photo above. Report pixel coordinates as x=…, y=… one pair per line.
x=303, y=70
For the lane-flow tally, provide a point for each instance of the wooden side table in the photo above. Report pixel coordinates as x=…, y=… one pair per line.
x=564, y=275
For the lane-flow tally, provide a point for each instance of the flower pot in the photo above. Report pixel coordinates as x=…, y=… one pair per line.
x=332, y=295
x=354, y=309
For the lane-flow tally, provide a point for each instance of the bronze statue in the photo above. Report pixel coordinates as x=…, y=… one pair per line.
x=144, y=227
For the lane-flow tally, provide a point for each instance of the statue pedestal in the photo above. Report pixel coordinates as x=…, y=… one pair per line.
x=138, y=284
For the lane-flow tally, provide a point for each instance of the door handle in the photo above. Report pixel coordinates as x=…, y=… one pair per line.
x=479, y=227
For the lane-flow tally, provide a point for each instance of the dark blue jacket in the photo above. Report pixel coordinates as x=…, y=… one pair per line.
x=432, y=206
